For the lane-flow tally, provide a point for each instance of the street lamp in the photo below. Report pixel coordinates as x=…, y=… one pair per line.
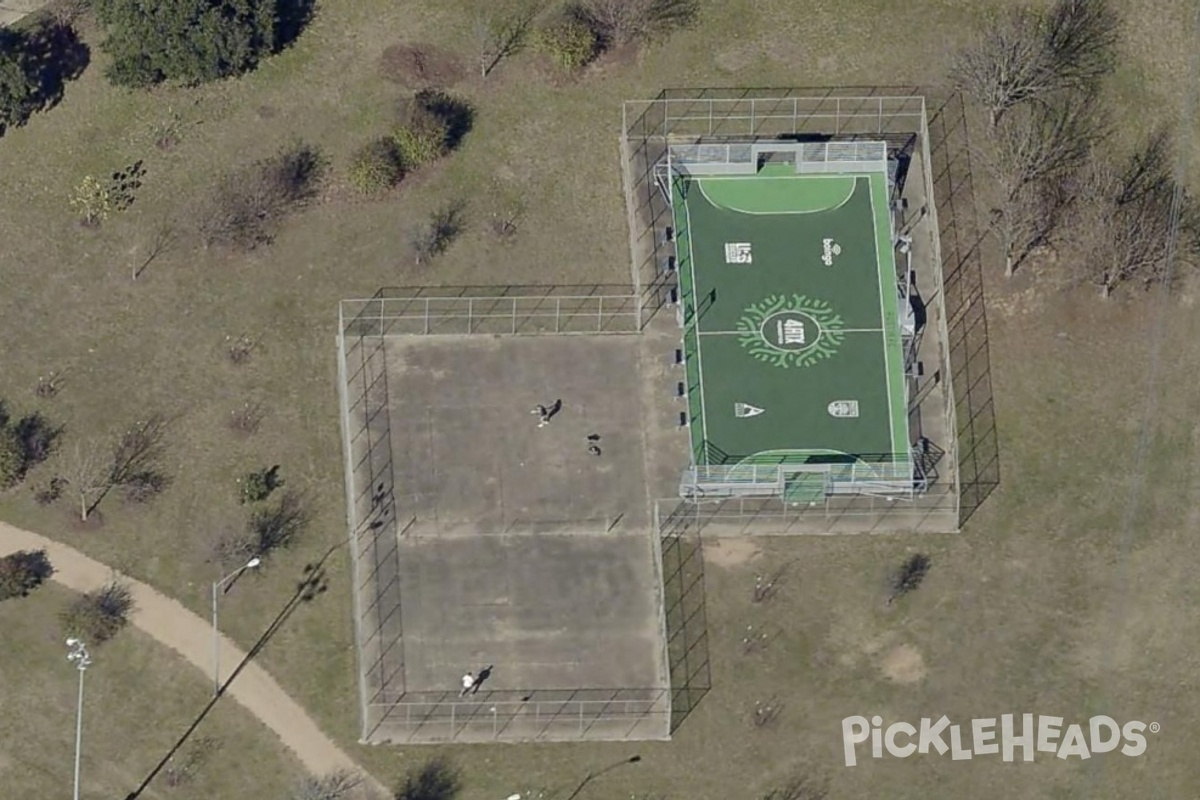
x=216, y=636
x=80, y=658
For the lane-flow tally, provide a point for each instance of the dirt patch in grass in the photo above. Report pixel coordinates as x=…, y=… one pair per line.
x=903, y=664
x=730, y=552
x=419, y=66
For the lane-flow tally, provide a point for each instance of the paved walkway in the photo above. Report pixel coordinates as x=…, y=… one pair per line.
x=13, y=10
x=190, y=636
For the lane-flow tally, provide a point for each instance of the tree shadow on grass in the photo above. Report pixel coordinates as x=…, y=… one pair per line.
x=456, y=114
x=55, y=54
x=293, y=17
x=49, y=54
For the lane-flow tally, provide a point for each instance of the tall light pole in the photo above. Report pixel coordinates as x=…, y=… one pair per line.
x=216, y=636
x=80, y=658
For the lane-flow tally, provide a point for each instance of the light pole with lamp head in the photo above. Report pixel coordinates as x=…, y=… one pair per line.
x=216, y=636
x=80, y=658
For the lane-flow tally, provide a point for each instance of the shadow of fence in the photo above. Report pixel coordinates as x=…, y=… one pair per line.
x=962, y=239
x=686, y=623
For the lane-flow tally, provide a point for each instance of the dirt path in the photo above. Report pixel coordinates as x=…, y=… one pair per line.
x=190, y=636
x=12, y=11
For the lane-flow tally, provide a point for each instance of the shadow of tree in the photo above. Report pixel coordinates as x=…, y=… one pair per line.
x=456, y=115
x=293, y=17
x=54, y=55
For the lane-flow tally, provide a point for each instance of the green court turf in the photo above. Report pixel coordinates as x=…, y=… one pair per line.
x=790, y=358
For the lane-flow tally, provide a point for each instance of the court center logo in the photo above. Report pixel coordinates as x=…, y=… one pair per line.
x=790, y=331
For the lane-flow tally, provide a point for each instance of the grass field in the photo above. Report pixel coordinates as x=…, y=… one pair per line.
x=1048, y=603
x=139, y=698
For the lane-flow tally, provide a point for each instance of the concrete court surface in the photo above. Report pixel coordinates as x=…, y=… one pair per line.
x=469, y=457
x=519, y=549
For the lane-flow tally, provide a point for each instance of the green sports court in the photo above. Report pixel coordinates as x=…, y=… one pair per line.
x=792, y=332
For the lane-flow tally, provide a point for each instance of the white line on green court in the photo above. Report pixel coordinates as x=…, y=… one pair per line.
x=846, y=199
x=836, y=330
x=687, y=213
x=883, y=284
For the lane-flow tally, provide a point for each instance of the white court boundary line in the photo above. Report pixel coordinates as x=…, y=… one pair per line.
x=687, y=213
x=718, y=206
x=834, y=330
x=887, y=357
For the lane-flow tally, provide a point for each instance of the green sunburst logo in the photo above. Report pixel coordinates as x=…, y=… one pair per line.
x=790, y=331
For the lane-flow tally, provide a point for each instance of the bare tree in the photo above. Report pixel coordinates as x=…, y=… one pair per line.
x=620, y=22
x=87, y=471
x=92, y=468
x=501, y=31
x=162, y=238
x=338, y=785
x=1081, y=36
x=434, y=237
x=1036, y=149
x=1127, y=217
x=1006, y=64
x=1024, y=56
x=138, y=450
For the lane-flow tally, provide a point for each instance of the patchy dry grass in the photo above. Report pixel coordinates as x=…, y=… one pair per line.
x=139, y=698
x=1044, y=605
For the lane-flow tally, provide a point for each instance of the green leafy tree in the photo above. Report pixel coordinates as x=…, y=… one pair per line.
x=189, y=41
x=18, y=86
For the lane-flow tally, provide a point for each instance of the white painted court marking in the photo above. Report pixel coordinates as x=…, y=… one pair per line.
x=687, y=213
x=839, y=330
x=843, y=409
x=738, y=253
x=714, y=204
x=745, y=410
x=887, y=359
x=829, y=249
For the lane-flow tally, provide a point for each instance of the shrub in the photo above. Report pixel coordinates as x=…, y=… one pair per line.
x=375, y=166
x=417, y=146
x=432, y=123
x=37, y=438
x=435, y=236
x=141, y=487
x=909, y=576
x=189, y=41
x=257, y=486
x=570, y=44
x=97, y=616
x=12, y=457
x=22, y=572
x=278, y=527
x=248, y=206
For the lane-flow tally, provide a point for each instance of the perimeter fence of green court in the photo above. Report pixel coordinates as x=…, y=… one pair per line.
x=950, y=386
